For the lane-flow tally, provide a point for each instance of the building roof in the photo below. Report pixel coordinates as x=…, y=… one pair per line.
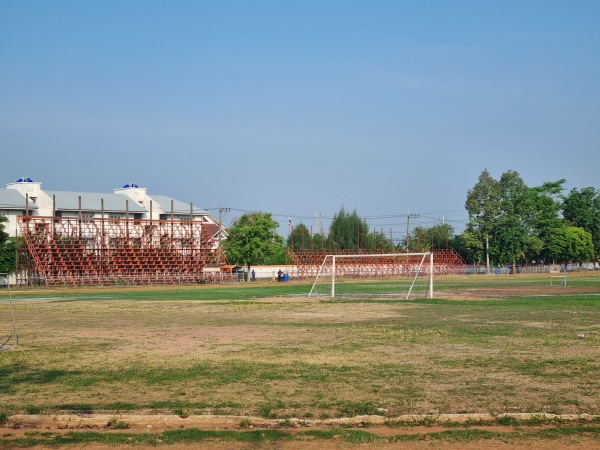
x=92, y=201
x=179, y=207
x=213, y=229
x=12, y=199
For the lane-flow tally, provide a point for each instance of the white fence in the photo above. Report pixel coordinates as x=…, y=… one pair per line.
x=533, y=269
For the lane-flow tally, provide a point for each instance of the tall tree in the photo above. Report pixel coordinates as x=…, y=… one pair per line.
x=512, y=238
x=349, y=231
x=582, y=209
x=483, y=206
x=253, y=240
x=543, y=218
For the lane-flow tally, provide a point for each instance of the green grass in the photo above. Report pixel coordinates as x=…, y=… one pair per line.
x=249, y=291
x=350, y=436
x=233, y=292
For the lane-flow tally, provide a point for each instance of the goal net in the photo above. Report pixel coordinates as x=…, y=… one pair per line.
x=403, y=275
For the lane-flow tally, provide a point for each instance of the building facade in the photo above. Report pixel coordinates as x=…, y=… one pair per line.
x=26, y=197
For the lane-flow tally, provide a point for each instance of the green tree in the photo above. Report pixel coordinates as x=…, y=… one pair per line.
x=579, y=245
x=379, y=242
x=7, y=249
x=8, y=256
x=349, y=231
x=483, y=205
x=512, y=240
x=544, y=219
x=570, y=243
x=319, y=242
x=515, y=222
x=582, y=209
x=424, y=239
x=555, y=245
x=3, y=234
x=469, y=246
x=300, y=238
x=253, y=240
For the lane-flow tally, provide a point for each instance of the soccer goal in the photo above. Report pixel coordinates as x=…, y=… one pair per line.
x=402, y=275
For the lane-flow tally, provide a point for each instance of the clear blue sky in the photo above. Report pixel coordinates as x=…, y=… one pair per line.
x=293, y=107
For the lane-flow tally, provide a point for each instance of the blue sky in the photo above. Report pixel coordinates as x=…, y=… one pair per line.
x=301, y=107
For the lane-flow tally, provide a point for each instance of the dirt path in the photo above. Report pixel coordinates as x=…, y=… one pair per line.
x=21, y=426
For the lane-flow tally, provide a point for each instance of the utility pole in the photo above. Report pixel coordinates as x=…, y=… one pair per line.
x=408, y=217
x=221, y=211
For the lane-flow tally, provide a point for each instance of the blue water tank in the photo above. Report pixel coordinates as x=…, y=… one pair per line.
x=286, y=277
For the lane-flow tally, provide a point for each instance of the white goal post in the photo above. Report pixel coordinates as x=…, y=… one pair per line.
x=375, y=275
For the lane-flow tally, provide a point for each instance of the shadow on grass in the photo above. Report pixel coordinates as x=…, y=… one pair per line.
x=12, y=376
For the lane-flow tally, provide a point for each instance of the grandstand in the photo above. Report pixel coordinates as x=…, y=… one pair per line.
x=446, y=261
x=70, y=251
x=126, y=236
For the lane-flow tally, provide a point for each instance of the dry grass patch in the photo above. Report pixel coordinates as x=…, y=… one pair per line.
x=295, y=357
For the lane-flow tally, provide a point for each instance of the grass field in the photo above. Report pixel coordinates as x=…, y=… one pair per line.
x=486, y=345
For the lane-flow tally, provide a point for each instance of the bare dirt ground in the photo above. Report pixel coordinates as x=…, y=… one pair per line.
x=157, y=424
x=515, y=291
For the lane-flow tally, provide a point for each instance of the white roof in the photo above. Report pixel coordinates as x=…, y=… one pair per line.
x=179, y=207
x=95, y=201
x=12, y=199
x=92, y=201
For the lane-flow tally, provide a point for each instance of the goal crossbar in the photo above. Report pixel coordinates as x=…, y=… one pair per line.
x=392, y=266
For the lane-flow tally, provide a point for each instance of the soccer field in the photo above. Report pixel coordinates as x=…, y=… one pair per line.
x=484, y=345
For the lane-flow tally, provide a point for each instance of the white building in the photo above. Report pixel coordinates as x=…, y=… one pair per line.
x=26, y=197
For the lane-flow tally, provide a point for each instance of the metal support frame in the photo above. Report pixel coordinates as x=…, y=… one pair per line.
x=308, y=263
x=76, y=250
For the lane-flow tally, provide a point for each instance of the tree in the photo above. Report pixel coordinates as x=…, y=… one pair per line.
x=469, y=246
x=543, y=219
x=7, y=249
x=349, y=231
x=513, y=240
x=582, y=209
x=253, y=240
x=300, y=238
x=424, y=239
x=516, y=222
x=8, y=256
x=579, y=245
x=483, y=206
x=519, y=223
x=319, y=242
x=570, y=243
x=379, y=242
x=3, y=234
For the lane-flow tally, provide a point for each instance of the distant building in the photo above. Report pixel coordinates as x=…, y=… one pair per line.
x=26, y=197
